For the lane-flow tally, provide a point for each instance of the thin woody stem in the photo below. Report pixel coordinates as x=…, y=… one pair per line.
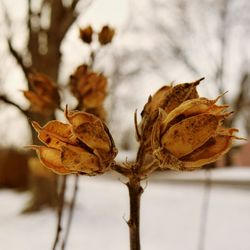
x=135, y=192
x=71, y=212
x=60, y=212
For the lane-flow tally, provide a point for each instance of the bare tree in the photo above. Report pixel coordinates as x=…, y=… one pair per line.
x=47, y=22
x=189, y=39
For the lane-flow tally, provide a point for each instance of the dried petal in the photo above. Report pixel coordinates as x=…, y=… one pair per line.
x=190, y=108
x=209, y=152
x=156, y=101
x=55, y=134
x=83, y=162
x=51, y=158
x=189, y=134
x=180, y=93
x=90, y=130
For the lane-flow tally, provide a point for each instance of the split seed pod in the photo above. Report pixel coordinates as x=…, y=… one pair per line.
x=106, y=35
x=43, y=94
x=191, y=135
x=89, y=88
x=167, y=98
x=83, y=146
x=86, y=34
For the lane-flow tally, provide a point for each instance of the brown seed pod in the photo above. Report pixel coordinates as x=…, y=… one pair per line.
x=105, y=36
x=191, y=135
x=89, y=88
x=84, y=145
x=43, y=94
x=86, y=34
x=166, y=98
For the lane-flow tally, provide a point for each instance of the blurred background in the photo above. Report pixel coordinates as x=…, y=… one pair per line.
x=156, y=42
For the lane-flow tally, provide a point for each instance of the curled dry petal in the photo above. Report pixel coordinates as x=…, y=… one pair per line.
x=209, y=152
x=55, y=134
x=92, y=132
x=51, y=158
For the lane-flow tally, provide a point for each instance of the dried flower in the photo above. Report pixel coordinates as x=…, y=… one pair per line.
x=83, y=146
x=167, y=98
x=88, y=87
x=43, y=94
x=86, y=34
x=105, y=36
x=190, y=135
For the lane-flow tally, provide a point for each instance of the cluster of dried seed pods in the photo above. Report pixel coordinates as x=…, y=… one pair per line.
x=179, y=130
x=184, y=131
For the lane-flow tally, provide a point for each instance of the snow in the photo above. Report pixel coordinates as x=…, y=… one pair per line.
x=170, y=219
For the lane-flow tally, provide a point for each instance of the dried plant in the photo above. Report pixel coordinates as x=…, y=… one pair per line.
x=83, y=146
x=89, y=88
x=43, y=95
x=179, y=130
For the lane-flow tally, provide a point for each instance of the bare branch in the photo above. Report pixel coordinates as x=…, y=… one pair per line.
x=4, y=99
x=74, y=3
x=13, y=52
x=241, y=97
x=18, y=57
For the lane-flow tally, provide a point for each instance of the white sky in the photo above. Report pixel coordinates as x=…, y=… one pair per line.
x=100, y=12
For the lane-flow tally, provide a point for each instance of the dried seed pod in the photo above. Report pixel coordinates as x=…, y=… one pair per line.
x=191, y=135
x=88, y=87
x=105, y=36
x=167, y=98
x=90, y=130
x=43, y=94
x=86, y=34
x=85, y=145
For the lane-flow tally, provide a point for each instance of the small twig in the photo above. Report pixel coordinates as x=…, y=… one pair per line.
x=26, y=70
x=60, y=212
x=204, y=211
x=121, y=169
x=6, y=100
x=71, y=211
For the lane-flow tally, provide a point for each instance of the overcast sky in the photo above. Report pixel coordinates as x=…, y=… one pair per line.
x=100, y=12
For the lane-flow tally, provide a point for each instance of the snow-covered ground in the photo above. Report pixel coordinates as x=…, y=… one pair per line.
x=171, y=212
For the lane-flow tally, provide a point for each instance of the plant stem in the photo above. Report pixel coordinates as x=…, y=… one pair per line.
x=71, y=211
x=60, y=211
x=135, y=192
